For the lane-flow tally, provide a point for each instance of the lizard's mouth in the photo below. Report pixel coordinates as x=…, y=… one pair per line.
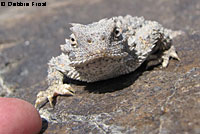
x=97, y=57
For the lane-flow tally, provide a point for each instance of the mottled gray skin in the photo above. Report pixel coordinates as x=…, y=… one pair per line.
x=106, y=49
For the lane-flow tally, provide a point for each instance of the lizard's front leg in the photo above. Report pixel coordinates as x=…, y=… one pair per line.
x=167, y=54
x=56, y=87
x=160, y=44
x=164, y=58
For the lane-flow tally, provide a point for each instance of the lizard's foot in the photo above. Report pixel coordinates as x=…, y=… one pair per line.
x=155, y=59
x=52, y=91
x=167, y=54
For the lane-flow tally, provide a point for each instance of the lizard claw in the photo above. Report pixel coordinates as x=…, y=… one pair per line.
x=167, y=54
x=52, y=91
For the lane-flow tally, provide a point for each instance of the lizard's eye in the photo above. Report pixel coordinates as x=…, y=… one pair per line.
x=117, y=32
x=73, y=40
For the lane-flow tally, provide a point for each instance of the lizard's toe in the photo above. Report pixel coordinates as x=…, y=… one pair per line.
x=52, y=91
x=41, y=97
x=170, y=53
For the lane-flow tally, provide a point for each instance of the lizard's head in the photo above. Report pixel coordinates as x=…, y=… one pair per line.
x=95, y=42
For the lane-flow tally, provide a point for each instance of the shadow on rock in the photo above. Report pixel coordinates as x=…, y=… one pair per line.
x=44, y=126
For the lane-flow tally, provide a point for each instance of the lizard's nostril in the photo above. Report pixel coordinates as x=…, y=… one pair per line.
x=103, y=38
x=89, y=41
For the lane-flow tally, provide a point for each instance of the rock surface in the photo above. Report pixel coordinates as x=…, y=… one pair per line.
x=164, y=101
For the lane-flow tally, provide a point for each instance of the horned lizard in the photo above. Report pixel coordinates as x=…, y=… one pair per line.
x=106, y=49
